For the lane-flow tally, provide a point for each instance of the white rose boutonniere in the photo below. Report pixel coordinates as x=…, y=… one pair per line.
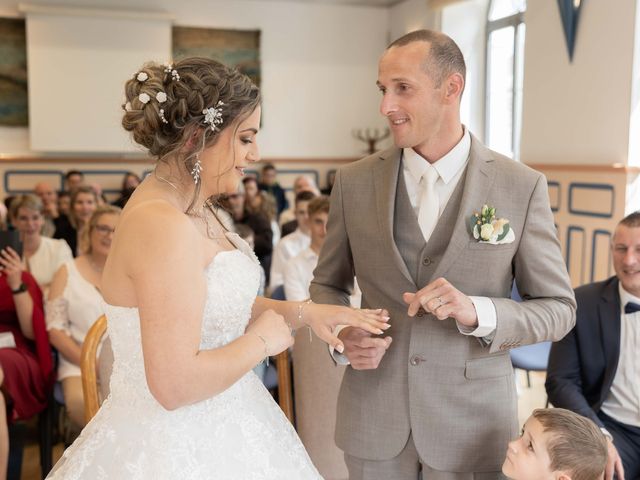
x=486, y=228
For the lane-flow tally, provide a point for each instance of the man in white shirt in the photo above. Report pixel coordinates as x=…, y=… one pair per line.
x=436, y=229
x=289, y=246
x=302, y=183
x=316, y=378
x=595, y=369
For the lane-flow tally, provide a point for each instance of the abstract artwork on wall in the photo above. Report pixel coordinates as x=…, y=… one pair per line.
x=14, y=109
x=234, y=48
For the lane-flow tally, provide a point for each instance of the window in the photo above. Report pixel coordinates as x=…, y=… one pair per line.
x=505, y=55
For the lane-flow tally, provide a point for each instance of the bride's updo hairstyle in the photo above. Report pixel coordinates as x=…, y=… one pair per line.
x=166, y=107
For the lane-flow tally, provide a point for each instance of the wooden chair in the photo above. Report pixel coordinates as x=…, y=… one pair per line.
x=285, y=394
x=88, y=361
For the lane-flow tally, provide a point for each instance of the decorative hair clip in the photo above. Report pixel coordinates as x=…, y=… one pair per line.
x=213, y=115
x=175, y=76
x=161, y=97
x=127, y=107
x=142, y=77
x=144, y=98
x=162, y=117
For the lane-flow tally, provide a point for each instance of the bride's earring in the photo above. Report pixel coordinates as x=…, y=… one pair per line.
x=195, y=172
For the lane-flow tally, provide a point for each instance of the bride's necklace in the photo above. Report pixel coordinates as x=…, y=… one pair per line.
x=211, y=230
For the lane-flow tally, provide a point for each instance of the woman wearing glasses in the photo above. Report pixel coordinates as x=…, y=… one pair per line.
x=75, y=302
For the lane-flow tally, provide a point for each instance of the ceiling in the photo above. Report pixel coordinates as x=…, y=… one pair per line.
x=369, y=3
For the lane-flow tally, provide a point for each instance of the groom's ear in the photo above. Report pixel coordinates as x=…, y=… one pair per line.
x=561, y=476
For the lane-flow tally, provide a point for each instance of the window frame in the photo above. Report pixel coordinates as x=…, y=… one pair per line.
x=514, y=20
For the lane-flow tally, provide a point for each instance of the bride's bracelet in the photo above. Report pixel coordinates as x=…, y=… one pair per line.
x=301, y=306
x=266, y=347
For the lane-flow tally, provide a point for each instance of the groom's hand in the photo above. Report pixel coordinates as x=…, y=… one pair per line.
x=362, y=349
x=444, y=301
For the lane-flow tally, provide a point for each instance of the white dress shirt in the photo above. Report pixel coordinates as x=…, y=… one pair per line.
x=623, y=401
x=288, y=247
x=299, y=273
x=450, y=169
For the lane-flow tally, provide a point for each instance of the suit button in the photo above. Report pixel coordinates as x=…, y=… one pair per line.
x=426, y=261
x=416, y=360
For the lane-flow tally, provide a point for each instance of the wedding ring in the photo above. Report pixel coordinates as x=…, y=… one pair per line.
x=440, y=301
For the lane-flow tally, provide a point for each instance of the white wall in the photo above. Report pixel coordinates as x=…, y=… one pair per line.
x=578, y=113
x=411, y=15
x=319, y=65
x=465, y=23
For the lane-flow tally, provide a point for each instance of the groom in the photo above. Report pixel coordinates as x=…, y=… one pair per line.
x=441, y=397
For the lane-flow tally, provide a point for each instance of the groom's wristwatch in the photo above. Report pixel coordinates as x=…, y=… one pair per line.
x=20, y=289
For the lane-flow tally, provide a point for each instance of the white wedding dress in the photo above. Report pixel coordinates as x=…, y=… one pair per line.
x=239, y=434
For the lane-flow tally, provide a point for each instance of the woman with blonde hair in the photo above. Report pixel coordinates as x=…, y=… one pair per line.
x=184, y=321
x=75, y=303
x=84, y=202
x=42, y=256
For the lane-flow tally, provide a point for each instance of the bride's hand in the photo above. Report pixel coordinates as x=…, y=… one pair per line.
x=273, y=330
x=323, y=319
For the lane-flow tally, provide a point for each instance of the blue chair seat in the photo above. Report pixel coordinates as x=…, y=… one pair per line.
x=531, y=357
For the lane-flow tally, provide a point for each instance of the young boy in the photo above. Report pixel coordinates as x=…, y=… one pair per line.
x=557, y=444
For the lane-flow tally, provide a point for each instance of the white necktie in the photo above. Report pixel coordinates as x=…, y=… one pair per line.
x=429, y=210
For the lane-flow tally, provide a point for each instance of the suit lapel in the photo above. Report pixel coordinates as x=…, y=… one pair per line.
x=609, y=316
x=385, y=181
x=478, y=181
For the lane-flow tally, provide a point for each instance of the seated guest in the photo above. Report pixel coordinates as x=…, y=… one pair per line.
x=75, y=303
x=331, y=178
x=102, y=200
x=316, y=377
x=303, y=183
x=26, y=366
x=269, y=184
x=64, y=203
x=129, y=184
x=593, y=371
x=72, y=180
x=291, y=245
x=257, y=201
x=52, y=216
x=43, y=256
x=557, y=444
x=83, y=203
x=259, y=224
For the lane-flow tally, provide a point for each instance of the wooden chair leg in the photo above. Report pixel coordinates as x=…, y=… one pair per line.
x=528, y=379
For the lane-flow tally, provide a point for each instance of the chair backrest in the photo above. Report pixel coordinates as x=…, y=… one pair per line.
x=88, y=359
x=278, y=293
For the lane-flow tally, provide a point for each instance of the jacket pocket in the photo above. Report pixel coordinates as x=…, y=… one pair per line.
x=488, y=367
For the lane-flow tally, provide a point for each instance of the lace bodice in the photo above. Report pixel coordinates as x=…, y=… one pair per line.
x=238, y=434
x=232, y=283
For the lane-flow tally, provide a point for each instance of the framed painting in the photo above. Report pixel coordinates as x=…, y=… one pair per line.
x=234, y=48
x=14, y=107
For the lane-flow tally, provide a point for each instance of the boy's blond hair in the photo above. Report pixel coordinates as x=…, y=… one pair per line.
x=577, y=446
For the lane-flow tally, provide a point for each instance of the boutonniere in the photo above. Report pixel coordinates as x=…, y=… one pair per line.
x=486, y=228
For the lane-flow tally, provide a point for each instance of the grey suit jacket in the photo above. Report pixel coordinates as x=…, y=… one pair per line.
x=459, y=401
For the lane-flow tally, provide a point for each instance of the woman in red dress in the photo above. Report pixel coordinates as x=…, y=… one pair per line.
x=26, y=367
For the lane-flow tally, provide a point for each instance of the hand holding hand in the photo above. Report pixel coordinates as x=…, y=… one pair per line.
x=271, y=327
x=614, y=463
x=363, y=350
x=12, y=267
x=323, y=319
x=444, y=301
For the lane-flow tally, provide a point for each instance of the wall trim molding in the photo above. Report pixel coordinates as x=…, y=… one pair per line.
x=4, y=159
x=615, y=168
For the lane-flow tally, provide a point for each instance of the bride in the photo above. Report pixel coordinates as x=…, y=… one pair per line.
x=185, y=325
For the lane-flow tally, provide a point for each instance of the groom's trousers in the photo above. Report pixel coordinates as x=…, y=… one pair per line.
x=407, y=465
